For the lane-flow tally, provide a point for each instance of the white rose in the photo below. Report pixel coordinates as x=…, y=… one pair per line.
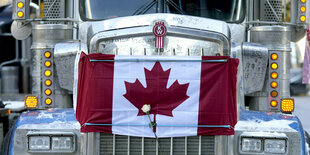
x=146, y=108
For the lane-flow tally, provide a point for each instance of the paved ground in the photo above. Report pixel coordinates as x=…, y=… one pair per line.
x=302, y=110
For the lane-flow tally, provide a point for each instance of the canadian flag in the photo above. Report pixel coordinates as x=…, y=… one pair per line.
x=181, y=96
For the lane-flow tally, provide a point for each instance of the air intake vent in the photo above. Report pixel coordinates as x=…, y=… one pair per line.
x=54, y=9
x=271, y=10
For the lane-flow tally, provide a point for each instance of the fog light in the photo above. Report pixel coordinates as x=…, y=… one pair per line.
x=251, y=145
x=287, y=105
x=275, y=146
x=62, y=143
x=31, y=101
x=39, y=143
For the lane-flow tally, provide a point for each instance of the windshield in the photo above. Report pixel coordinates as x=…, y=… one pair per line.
x=226, y=10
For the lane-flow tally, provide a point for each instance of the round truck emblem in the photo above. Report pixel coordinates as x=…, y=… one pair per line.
x=159, y=31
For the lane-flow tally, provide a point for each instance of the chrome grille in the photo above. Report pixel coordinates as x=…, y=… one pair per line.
x=141, y=41
x=126, y=145
x=177, y=46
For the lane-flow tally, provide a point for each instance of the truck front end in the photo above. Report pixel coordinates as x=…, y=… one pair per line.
x=163, y=28
x=193, y=28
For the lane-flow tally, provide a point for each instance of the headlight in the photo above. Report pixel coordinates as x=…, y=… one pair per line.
x=260, y=144
x=251, y=145
x=62, y=143
x=57, y=143
x=39, y=143
x=275, y=145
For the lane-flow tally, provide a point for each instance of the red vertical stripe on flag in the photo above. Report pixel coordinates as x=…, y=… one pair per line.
x=217, y=101
x=95, y=92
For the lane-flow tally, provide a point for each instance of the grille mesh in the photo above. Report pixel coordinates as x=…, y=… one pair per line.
x=268, y=13
x=54, y=9
x=180, y=145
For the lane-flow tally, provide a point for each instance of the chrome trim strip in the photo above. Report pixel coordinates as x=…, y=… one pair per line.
x=155, y=60
x=147, y=125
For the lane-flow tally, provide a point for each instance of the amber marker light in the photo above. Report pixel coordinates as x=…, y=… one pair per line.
x=48, y=92
x=48, y=73
x=47, y=54
x=48, y=101
x=303, y=1
x=274, y=93
x=20, y=5
x=47, y=63
x=274, y=75
x=303, y=9
x=273, y=103
x=287, y=105
x=20, y=14
x=31, y=101
x=48, y=82
x=274, y=84
x=274, y=56
x=303, y=18
x=274, y=65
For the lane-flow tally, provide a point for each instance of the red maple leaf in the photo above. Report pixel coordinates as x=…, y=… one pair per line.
x=162, y=100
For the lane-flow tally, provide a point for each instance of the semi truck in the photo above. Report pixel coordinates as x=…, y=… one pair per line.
x=57, y=34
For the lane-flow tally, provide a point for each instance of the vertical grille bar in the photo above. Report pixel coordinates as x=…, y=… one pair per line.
x=185, y=147
x=157, y=146
x=142, y=153
x=171, y=146
x=199, y=149
x=128, y=146
x=113, y=144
